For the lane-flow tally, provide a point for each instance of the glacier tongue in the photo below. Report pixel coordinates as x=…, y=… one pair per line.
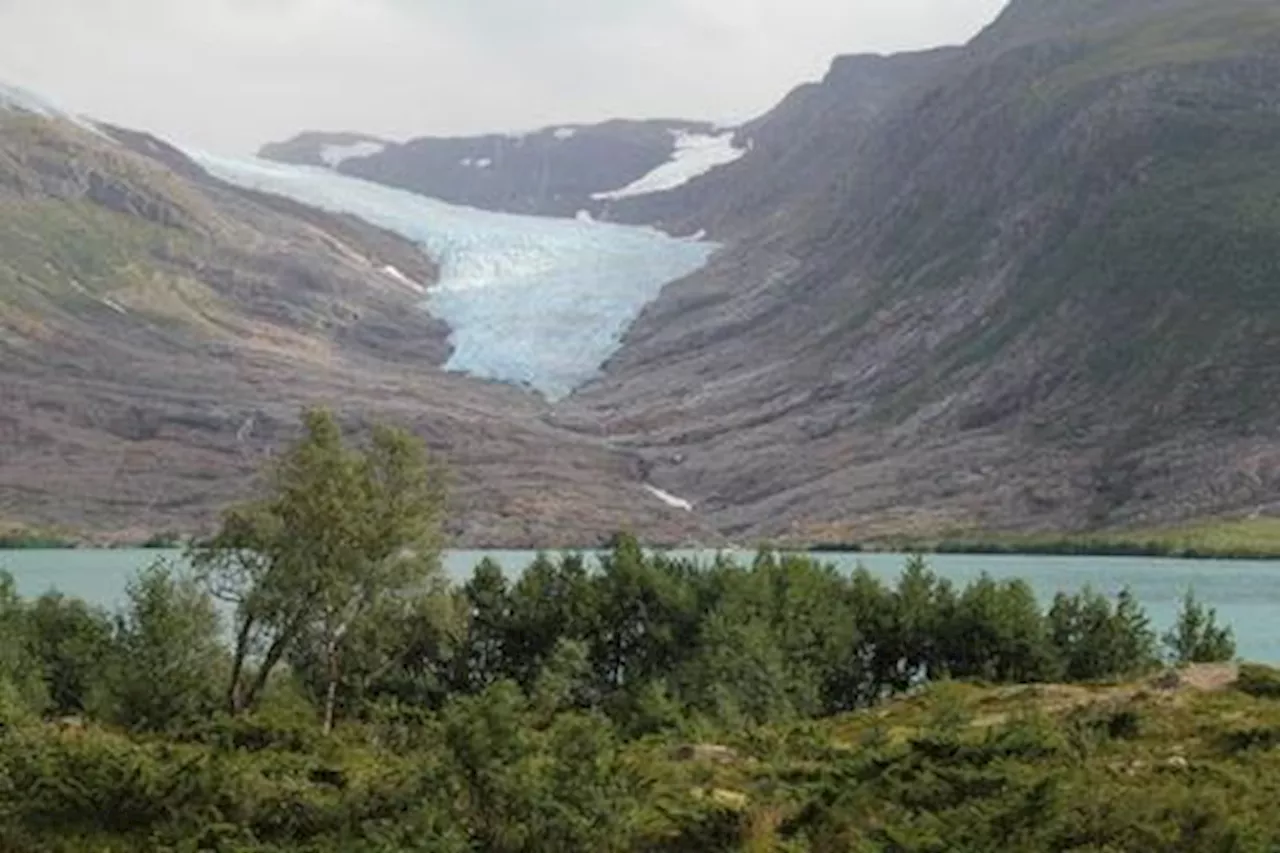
x=531, y=300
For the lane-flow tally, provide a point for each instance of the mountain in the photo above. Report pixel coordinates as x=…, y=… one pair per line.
x=790, y=152
x=1036, y=284
x=1028, y=283
x=160, y=331
x=556, y=171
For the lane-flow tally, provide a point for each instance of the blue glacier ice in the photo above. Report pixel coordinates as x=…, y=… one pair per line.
x=530, y=300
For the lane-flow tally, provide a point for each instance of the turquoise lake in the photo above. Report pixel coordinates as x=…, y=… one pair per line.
x=1245, y=593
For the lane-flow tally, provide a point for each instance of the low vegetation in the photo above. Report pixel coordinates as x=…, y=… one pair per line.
x=648, y=703
x=14, y=538
x=1232, y=539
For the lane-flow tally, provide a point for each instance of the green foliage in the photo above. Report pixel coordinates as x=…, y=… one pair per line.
x=999, y=634
x=1258, y=680
x=22, y=689
x=168, y=659
x=1197, y=637
x=74, y=645
x=340, y=535
x=28, y=539
x=522, y=717
x=1095, y=641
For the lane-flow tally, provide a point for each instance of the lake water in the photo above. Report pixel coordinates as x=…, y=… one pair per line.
x=1245, y=593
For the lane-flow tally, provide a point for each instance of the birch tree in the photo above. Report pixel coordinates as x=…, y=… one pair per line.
x=340, y=530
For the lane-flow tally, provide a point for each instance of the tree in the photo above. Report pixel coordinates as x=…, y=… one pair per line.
x=1094, y=640
x=551, y=602
x=169, y=657
x=908, y=647
x=739, y=674
x=340, y=530
x=405, y=650
x=1197, y=637
x=487, y=602
x=21, y=688
x=998, y=632
x=73, y=644
x=647, y=617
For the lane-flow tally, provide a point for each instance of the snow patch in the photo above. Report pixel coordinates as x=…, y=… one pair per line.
x=113, y=305
x=584, y=216
x=669, y=499
x=563, y=133
x=403, y=279
x=335, y=155
x=484, y=163
x=466, y=161
x=529, y=300
x=695, y=155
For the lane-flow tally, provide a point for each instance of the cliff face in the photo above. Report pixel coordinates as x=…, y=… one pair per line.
x=1036, y=288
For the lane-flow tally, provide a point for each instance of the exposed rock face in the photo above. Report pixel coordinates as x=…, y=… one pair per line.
x=1034, y=287
x=557, y=171
x=160, y=331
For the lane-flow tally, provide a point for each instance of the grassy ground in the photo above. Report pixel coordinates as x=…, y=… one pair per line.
x=17, y=537
x=1246, y=539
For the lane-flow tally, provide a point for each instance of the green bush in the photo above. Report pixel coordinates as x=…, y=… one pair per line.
x=1259, y=680
x=1197, y=637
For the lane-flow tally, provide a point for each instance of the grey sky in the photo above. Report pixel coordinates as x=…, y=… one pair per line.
x=231, y=74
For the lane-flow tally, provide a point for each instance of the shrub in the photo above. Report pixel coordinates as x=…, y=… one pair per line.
x=1258, y=680
x=1197, y=637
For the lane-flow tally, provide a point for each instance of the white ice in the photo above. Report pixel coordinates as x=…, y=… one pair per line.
x=403, y=279
x=695, y=154
x=563, y=133
x=530, y=300
x=335, y=155
x=483, y=163
x=113, y=305
x=670, y=499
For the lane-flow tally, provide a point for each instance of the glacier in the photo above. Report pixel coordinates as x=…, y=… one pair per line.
x=534, y=301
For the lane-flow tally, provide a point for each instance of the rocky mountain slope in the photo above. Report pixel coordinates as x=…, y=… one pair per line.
x=557, y=171
x=1028, y=283
x=159, y=332
x=1036, y=285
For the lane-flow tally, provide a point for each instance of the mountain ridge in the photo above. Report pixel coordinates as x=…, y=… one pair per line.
x=558, y=170
x=996, y=310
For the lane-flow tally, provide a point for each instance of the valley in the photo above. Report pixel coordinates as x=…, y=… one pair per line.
x=1019, y=288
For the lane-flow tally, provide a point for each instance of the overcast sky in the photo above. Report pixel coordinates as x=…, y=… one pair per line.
x=231, y=74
